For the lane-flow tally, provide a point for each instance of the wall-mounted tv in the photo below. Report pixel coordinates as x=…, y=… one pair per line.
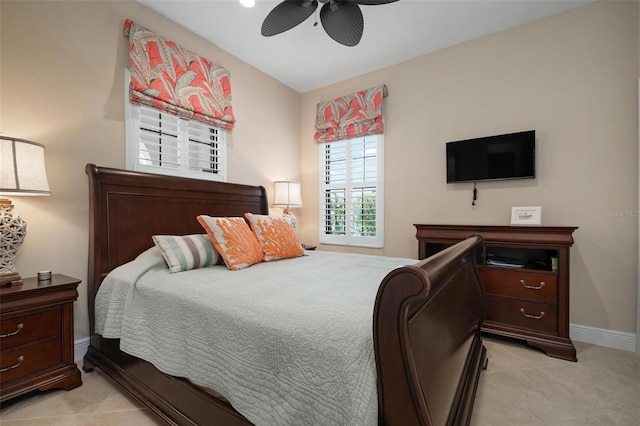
x=510, y=156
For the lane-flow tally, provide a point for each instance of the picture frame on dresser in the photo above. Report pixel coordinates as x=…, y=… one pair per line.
x=526, y=215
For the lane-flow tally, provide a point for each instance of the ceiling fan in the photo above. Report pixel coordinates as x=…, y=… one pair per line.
x=341, y=19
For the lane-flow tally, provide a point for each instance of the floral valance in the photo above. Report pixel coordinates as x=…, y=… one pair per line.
x=351, y=116
x=171, y=78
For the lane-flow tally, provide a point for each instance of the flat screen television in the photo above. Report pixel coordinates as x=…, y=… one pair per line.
x=510, y=156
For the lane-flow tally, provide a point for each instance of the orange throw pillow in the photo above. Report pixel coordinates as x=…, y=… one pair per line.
x=233, y=239
x=276, y=236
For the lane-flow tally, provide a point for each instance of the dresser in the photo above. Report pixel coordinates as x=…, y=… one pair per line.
x=36, y=336
x=524, y=271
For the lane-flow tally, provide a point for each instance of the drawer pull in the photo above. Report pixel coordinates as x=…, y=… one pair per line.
x=532, y=287
x=11, y=367
x=526, y=315
x=13, y=333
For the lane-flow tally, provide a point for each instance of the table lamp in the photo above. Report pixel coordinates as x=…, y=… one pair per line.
x=22, y=172
x=287, y=195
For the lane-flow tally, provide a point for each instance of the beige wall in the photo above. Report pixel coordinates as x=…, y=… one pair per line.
x=638, y=305
x=573, y=78
x=62, y=84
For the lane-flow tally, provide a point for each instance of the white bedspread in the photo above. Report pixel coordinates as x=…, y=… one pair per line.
x=286, y=342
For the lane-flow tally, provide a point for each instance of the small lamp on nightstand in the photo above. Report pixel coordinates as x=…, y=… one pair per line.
x=287, y=195
x=22, y=172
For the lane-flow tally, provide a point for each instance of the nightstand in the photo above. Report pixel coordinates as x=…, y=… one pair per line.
x=36, y=336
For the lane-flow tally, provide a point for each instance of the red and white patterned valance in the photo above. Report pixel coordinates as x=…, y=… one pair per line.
x=351, y=116
x=171, y=78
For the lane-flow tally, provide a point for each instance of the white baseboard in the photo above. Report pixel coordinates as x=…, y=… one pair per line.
x=80, y=348
x=601, y=337
x=581, y=333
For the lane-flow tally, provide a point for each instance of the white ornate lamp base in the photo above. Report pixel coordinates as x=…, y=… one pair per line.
x=12, y=232
x=286, y=213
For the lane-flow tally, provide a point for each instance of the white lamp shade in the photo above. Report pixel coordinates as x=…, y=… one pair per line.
x=287, y=194
x=22, y=169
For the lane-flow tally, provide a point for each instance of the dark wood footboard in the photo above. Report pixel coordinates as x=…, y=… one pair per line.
x=426, y=321
x=428, y=349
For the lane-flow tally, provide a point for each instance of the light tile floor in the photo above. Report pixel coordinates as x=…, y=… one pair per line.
x=521, y=387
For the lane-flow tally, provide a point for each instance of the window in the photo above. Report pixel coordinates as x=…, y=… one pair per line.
x=351, y=192
x=159, y=142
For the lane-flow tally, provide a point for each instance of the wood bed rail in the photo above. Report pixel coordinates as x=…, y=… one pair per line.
x=427, y=321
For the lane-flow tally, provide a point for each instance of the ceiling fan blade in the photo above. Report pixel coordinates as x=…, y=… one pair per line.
x=372, y=2
x=287, y=15
x=344, y=23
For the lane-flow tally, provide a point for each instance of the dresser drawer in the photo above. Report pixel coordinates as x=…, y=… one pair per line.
x=29, y=328
x=519, y=313
x=525, y=284
x=22, y=361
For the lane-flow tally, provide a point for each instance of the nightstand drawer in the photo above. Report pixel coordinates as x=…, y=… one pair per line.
x=29, y=328
x=538, y=286
x=22, y=361
x=519, y=313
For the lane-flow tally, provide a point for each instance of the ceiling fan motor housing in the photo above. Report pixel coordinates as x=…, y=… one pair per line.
x=341, y=20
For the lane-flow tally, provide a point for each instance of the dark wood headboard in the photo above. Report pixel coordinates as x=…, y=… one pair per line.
x=121, y=201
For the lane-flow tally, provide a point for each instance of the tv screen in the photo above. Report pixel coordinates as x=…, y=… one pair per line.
x=510, y=156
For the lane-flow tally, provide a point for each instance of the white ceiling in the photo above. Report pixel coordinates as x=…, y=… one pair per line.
x=305, y=57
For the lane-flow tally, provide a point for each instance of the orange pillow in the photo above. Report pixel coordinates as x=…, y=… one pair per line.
x=276, y=236
x=233, y=239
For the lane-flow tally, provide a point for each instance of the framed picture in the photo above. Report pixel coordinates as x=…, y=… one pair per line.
x=526, y=215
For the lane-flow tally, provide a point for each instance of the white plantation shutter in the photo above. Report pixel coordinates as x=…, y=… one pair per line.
x=205, y=149
x=363, y=211
x=335, y=218
x=158, y=142
x=352, y=192
x=158, y=139
x=364, y=160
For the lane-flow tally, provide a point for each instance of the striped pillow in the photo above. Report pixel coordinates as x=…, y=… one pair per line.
x=186, y=252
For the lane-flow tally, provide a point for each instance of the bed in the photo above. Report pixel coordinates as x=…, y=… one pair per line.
x=426, y=316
